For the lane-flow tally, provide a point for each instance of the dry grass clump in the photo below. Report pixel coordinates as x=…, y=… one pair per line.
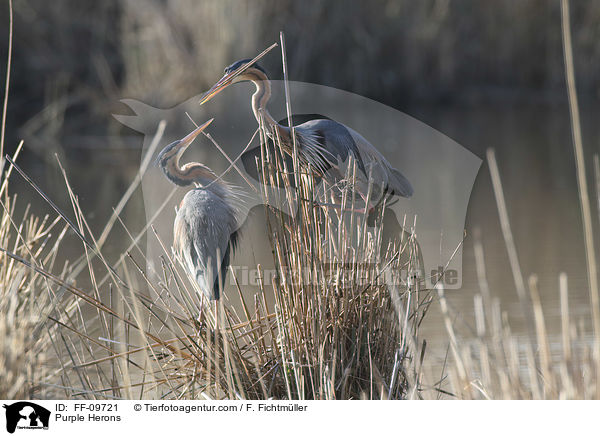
x=25, y=297
x=22, y=348
x=341, y=328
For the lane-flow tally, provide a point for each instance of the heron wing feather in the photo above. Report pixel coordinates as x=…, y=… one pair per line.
x=204, y=231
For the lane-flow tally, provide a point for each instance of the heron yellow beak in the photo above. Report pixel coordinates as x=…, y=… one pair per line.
x=223, y=83
x=188, y=139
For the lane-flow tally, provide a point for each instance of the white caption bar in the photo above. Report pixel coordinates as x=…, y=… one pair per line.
x=297, y=417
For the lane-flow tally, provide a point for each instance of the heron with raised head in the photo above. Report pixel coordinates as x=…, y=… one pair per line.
x=205, y=231
x=323, y=144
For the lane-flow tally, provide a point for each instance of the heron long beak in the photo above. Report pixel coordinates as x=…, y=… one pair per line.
x=223, y=83
x=227, y=79
x=189, y=138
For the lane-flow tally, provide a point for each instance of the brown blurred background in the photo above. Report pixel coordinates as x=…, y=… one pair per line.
x=79, y=57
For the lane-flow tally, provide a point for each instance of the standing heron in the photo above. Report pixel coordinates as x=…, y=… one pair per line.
x=323, y=144
x=205, y=229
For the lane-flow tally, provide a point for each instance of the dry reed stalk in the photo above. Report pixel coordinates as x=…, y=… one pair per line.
x=597, y=178
x=505, y=225
x=584, y=201
x=7, y=81
x=565, y=319
x=542, y=336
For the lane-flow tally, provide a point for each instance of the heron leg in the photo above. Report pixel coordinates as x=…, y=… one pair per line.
x=200, y=312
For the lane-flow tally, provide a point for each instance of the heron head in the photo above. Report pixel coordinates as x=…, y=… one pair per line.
x=237, y=72
x=177, y=148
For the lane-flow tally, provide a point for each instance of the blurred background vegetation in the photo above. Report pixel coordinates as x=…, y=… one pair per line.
x=77, y=58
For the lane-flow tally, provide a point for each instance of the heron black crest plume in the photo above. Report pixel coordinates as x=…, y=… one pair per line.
x=234, y=66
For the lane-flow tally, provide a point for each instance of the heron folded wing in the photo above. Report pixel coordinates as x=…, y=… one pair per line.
x=216, y=252
x=188, y=254
x=202, y=236
x=399, y=184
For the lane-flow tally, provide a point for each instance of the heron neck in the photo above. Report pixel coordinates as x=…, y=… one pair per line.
x=197, y=174
x=260, y=98
x=187, y=174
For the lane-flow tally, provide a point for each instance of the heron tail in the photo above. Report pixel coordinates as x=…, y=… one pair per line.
x=399, y=184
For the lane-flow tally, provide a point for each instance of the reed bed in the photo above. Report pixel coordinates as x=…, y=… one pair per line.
x=498, y=362
x=26, y=337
